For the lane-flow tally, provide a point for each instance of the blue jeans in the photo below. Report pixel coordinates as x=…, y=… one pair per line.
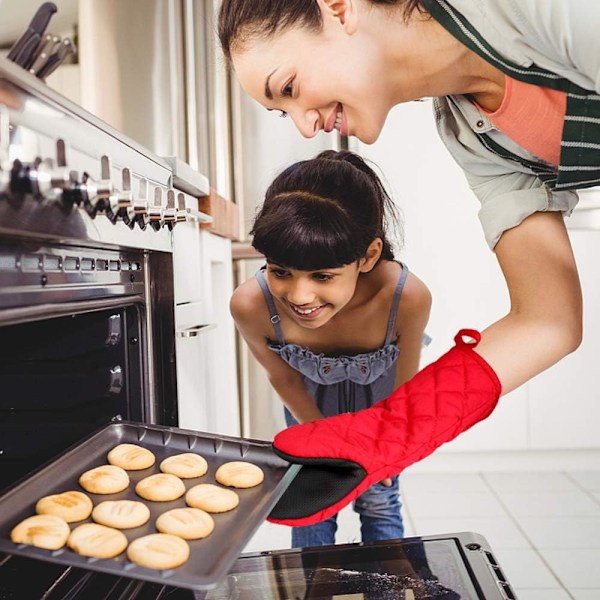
x=378, y=508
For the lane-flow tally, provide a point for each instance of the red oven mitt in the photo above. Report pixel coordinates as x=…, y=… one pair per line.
x=343, y=455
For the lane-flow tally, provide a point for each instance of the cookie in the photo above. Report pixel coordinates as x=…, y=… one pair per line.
x=106, y=479
x=131, y=457
x=161, y=487
x=186, y=523
x=69, y=506
x=91, y=539
x=239, y=474
x=43, y=531
x=185, y=465
x=121, y=514
x=158, y=551
x=211, y=498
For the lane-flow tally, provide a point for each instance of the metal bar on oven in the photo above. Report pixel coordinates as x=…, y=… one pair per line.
x=25, y=314
x=195, y=330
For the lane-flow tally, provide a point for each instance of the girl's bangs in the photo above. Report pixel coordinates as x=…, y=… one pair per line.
x=307, y=247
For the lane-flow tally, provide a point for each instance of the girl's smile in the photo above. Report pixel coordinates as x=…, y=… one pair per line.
x=307, y=313
x=312, y=298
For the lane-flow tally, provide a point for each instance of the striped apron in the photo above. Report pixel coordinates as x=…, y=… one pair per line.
x=580, y=145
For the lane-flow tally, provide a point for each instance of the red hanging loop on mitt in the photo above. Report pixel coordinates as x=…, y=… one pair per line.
x=343, y=455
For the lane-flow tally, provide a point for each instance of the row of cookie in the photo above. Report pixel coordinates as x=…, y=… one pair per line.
x=163, y=487
x=132, y=457
x=187, y=465
x=102, y=539
x=154, y=551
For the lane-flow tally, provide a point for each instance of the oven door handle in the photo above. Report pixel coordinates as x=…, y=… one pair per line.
x=195, y=330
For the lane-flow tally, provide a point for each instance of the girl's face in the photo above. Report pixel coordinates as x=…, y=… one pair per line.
x=312, y=298
x=331, y=79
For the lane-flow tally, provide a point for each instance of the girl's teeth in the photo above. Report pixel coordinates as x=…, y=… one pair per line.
x=305, y=311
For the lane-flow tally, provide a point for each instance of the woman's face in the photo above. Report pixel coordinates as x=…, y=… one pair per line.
x=324, y=80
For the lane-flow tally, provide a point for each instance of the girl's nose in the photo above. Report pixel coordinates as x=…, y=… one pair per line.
x=307, y=123
x=301, y=293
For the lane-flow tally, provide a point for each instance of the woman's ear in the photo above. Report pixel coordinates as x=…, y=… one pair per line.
x=340, y=12
x=372, y=255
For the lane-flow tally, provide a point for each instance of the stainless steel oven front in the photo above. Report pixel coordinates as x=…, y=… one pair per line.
x=86, y=276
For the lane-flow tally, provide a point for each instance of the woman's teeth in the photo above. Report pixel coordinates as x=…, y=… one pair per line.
x=338, y=121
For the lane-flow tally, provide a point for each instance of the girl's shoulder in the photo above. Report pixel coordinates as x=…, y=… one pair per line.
x=416, y=297
x=248, y=306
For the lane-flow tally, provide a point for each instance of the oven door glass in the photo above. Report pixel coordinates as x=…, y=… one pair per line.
x=409, y=569
x=62, y=378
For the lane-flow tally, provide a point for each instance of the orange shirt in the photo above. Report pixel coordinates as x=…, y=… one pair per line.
x=533, y=117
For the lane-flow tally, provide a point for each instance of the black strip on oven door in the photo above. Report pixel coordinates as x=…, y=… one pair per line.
x=64, y=377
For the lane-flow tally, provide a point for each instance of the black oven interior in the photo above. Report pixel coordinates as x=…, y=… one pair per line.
x=63, y=378
x=85, y=337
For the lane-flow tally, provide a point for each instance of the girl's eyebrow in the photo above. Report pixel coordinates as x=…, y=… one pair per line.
x=268, y=92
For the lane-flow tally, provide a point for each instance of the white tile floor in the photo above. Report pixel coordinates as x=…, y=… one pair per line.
x=539, y=512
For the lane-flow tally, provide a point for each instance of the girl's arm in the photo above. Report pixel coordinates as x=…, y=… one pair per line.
x=411, y=319
x=545, y=320
x=245, y=306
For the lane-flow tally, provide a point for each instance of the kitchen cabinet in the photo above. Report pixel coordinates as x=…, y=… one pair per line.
x=205, y=343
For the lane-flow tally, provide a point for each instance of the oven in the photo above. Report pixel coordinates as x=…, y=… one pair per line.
x=87, y=329
x=76, y=347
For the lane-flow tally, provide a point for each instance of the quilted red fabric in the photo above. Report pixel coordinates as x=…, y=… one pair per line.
x=446, y=398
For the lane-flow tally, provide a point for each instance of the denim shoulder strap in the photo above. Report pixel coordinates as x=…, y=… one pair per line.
x=260, y=276
x=394, y=310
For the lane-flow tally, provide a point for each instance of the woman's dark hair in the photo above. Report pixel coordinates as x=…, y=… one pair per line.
x=243, y=20
x=323, y=213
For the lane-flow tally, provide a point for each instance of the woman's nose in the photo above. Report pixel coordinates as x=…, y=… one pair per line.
x=307, y=123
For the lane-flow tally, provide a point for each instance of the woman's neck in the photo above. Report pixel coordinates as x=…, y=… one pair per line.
x=428, y=61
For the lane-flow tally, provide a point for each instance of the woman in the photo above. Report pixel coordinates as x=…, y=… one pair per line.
x=515, y=89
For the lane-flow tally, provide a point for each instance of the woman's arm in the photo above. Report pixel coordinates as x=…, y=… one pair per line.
x=545, y=320
x=287, y=382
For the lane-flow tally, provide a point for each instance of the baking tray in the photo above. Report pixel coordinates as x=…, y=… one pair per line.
x=210, y=558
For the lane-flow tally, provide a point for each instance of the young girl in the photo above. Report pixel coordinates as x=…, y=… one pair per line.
x=336, y=322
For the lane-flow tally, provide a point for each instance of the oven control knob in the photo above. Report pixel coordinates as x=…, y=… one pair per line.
x=156, y=210
x=124, y=199
x=140, y=206
x=50, y=182
x=170, y=214
x=20, y=181
x=181, y=212
x=47, y=181
x=100, y=194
